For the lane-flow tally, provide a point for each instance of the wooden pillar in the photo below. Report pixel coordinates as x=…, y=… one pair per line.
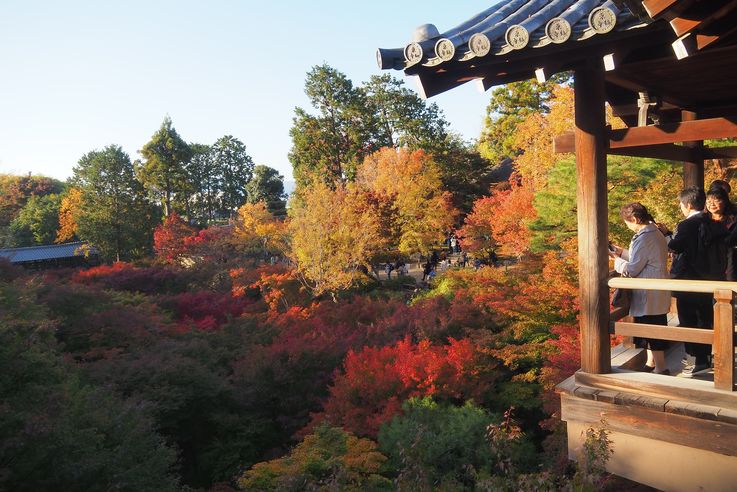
x=693, y=172
x=593, y=229
x=724, y=339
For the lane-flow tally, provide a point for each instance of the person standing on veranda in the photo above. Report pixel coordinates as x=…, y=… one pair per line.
x=646, y=257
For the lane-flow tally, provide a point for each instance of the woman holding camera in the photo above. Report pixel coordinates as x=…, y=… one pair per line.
x=646, y=257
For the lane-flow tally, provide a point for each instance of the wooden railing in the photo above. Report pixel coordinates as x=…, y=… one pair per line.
x=722, y=338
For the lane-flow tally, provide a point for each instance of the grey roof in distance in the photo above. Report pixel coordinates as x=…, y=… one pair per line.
x=48, y=252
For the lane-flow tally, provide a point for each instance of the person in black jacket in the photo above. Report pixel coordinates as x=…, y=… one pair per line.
x=699, y=247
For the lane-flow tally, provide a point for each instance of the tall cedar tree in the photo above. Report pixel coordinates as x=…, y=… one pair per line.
x=162, y=173
x=328, y=146
x=351, y=122
x=205, y=182
x=236, y=170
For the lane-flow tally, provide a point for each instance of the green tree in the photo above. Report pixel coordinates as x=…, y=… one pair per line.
x=435, y=443
x=510, y=104
x=465, y=173
x=235, y=167
x=403, y=119
x=205, y=180
x=163, y=171
x=58, y=433
x=114, y=214
x=16, y=190
x=267, y=186
x=556, y=204
x=329, y=145
x=37, y=222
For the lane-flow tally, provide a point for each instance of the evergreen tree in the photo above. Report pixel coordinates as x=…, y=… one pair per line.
x=328, y=146
x=236, y=169
x=163, y=172
x=267, y=186
x=403, y=119
x=114, y=214
x=205, y=180
x=510, y=104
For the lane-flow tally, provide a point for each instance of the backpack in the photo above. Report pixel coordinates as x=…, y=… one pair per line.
x=711, y=258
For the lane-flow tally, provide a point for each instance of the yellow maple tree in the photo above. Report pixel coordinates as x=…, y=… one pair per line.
x=256, y=230
x=410, y=181
x=68, y=213
x=334, y=233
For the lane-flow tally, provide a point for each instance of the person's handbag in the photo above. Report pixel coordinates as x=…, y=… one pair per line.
x=622, y=298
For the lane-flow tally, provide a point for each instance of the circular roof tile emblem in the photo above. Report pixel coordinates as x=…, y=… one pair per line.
x=479, y=44
x=445, y=50
x=517, y=37
x=602, y=20
x=413, y=53
x=558, y=30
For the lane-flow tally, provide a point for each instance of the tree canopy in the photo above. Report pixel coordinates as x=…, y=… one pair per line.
x=162, y=172
x=114, y=213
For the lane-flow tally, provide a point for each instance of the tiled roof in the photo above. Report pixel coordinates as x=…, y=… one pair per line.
x=507, y=27
x=50, y=252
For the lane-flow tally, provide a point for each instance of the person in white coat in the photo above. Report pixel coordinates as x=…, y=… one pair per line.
x=646, y=257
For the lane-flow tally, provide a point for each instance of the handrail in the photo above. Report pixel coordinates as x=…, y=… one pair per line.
x=674, y=285
x=722, y=337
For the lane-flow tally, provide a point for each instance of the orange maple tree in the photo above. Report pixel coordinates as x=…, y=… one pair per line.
x=501, y=219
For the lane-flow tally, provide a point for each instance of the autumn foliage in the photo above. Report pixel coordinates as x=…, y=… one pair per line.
x=501, y=219
x=377, y=380
x=170, y=238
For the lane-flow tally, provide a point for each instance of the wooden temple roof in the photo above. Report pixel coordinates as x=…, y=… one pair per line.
x=682, y=53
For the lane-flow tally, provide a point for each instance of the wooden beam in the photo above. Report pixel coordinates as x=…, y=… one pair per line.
x=693, y=168
x=668, y=152
x=660, y=332
x=686, y=23
x=657, y=8
x=667, y=133
x=591, y=200
x=564, y=144
x=720, y=152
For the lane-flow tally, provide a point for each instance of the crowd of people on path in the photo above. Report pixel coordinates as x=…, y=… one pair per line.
x=439, y=261
x=702, y=247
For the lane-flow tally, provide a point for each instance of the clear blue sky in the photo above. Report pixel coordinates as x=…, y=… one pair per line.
x=79, y=75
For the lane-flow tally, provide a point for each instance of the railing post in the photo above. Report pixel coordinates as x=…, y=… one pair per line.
x=724, y=339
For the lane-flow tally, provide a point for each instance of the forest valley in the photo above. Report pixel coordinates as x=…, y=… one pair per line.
x=237, y=345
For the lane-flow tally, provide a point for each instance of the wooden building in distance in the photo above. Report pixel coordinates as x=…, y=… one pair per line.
x=668, y=68
x=53, y=255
